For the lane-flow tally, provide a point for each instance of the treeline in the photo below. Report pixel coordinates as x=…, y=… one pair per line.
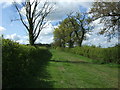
x=71, y=31
x=22, y=65
x=41, y=45
x=99, y=55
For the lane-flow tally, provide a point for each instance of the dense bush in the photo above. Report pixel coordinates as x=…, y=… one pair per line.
x=100, y=55
x=22, y=64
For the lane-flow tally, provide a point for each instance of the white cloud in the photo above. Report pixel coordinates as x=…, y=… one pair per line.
x=21, y=41
x=100, y=40
x=87, y=35
x=45, y=39
x=95, y=39
x=46, y=35
x=61, y=7
x=17, y=38
x=64, y=8
x=2, y=29
x=48, y=29
x=14, y=37
x=7, y=3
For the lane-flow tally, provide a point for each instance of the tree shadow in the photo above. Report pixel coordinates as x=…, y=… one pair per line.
x=40, y=81
x=75, y=62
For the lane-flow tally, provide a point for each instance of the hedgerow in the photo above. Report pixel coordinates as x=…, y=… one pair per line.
x=99, y=55
x=21, y=64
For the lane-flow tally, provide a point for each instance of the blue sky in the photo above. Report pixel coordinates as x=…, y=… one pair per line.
x=16, y=31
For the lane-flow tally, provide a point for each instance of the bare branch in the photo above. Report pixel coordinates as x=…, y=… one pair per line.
x=35, y=18
x=20, y=16
x=42, y=17
x=23, y=4
x=40, y=28
x=39, y=24
x=34, y=10
x=39, y=12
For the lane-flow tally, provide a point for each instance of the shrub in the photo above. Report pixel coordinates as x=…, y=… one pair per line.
x=99, y=55
x=22, y=64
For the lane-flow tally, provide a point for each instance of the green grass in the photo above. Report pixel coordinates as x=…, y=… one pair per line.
x=80, y=75
x=63, y=56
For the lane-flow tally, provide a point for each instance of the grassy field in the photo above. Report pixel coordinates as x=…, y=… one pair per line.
x=68, y=70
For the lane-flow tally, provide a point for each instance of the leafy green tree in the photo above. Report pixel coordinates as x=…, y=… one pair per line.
x=59, y=37
x=67, y=26
x=64, y=34
x=72, y=30
x=82, y=28
x=109, y=14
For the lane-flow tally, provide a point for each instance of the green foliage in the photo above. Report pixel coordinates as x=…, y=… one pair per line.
x=72, y=30
x=63, y=34
x=22, y=64
x=99, y=55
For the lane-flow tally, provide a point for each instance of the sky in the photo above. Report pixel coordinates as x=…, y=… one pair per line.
x=15, y=30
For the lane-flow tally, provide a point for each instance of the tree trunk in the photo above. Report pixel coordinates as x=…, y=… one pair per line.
x=31, y=36
x=31, y=39
x=70, y=44
x=63, y=45
x=82, y=37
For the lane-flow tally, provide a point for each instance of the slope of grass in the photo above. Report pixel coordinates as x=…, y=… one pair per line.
x=80, y=75
x=63, y=56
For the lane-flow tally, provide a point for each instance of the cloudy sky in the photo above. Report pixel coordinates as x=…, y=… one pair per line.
x=16, y=31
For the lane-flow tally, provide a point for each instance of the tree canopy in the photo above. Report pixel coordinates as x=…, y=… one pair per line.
x=72, y=30
x=109, y=14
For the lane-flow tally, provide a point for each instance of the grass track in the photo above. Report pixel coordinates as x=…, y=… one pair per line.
x=80, y=75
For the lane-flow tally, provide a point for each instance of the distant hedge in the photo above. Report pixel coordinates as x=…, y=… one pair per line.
x=21, y=64
x=99, y=55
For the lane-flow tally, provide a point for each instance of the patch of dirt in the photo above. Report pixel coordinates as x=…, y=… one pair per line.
x=61, y=68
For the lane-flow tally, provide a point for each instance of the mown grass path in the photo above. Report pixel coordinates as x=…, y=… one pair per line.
x=84, y=74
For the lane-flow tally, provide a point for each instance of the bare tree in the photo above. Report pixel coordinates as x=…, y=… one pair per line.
x=34, y=17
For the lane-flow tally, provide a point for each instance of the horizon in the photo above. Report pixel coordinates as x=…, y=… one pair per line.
x=15, y=31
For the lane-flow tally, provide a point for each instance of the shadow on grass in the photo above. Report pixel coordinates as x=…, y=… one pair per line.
x=112, y=65
x=76, y=62
x=40, y=81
